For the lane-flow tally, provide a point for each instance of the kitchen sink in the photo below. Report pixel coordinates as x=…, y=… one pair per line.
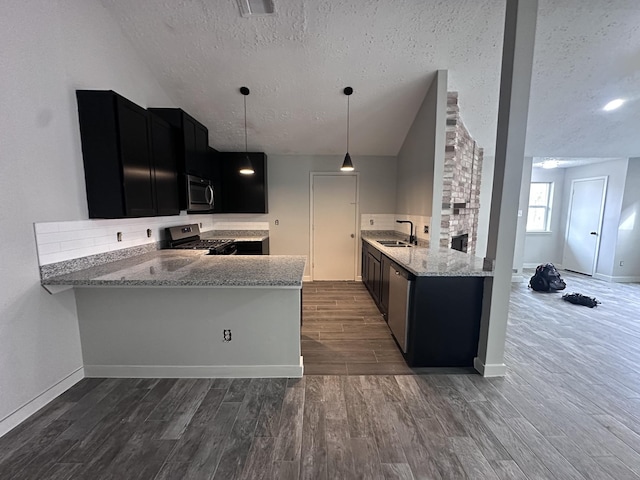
x=394, y=243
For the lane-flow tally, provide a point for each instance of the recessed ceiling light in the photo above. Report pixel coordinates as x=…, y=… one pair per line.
x=613, y=104
x=250, y=8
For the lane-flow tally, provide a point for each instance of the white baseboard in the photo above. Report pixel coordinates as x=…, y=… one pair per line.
x=194, y=371
x=32, y=406
x=491, y=370
x=517, y=278
x=307, y=278
x=616, y=279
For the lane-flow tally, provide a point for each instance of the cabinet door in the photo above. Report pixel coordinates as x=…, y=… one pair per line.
x=249, y=248
x=191, y=164
x=373, y=276
x=165, y=170
x=376, y=279
x=135, y=158
x=365, y=264
x=384, y=284
x=244, y=193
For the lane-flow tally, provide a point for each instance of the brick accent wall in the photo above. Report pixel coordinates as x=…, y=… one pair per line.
x=461, y=182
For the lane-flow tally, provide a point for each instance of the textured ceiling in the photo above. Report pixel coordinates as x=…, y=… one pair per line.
x=562, y=162
x=297, y=62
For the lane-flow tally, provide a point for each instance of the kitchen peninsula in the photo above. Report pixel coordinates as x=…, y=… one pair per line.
x=182, y=313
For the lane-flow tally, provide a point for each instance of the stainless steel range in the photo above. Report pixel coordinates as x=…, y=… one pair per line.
x=188, y=237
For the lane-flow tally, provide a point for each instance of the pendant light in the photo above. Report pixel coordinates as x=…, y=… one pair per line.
x=246, y=167
x=347, y=165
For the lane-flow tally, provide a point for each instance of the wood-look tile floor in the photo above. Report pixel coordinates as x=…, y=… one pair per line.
x=343, y=332
x=569, y=408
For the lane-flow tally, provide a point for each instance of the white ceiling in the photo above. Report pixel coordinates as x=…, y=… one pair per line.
x=561, y=162
x=297, y=62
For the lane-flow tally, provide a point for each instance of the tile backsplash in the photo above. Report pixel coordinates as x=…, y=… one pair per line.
x=60, y=241
x=387, y=221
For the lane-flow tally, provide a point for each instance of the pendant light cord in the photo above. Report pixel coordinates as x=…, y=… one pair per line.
x=347, y=123
x=246, y=145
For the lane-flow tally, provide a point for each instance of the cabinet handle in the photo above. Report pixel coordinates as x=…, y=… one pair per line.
x=211, y=200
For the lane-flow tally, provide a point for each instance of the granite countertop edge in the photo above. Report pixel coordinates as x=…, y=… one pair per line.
x=427, y=261
x=189, y=268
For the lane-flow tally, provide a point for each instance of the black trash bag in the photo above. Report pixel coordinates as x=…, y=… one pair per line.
x=579, y=299
x=547, y=279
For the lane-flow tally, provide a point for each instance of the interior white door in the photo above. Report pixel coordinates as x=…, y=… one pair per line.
x=334, y=227
x=584, y=225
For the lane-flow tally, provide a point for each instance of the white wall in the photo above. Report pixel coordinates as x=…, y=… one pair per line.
x=49, y=49
x=616, y=171
x=547, y=247
x=421, y=157
x=486, y=187
x=289, y=195
x=627, y=250
x=518, y=251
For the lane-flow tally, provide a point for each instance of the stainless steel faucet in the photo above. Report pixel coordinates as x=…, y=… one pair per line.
x=412, y=238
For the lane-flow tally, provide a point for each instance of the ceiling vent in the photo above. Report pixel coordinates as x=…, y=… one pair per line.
x=255, y=8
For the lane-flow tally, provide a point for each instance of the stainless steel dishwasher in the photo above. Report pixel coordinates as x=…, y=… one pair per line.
x=399, y=291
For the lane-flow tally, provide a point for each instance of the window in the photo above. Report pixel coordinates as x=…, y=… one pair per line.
x=539, y=216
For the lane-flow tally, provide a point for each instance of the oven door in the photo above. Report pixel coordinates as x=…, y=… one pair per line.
x=200, y=195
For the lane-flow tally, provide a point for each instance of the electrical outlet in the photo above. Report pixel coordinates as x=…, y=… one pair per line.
x=621, y=263
x=148, y=233
x=426, y=229
x=371, y=222
x=277, y=222
x=119, y=236
x=226, y=335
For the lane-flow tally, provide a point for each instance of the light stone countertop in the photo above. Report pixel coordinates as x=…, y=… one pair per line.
x=425, y=261
x=237, y=235
x=190, y=268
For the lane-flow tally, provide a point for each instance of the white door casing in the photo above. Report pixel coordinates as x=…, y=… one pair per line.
x=584, y=224
x=334, y=226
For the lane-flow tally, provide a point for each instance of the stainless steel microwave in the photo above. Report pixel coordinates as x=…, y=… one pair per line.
x=201, y=197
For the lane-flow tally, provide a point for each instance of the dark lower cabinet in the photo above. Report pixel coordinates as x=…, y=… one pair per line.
x=244, y=193
x=443, y=313
x=372, y=272
x=258, y=247
x=385, y=263
x=444, y=321
x=120, y=146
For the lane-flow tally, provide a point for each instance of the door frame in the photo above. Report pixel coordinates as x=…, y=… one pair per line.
x=600, y=219
x=311, y=218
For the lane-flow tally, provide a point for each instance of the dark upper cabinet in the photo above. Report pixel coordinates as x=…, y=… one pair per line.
x=164, y=154
x=244, y=193
x=193, y=141
x=118, y=157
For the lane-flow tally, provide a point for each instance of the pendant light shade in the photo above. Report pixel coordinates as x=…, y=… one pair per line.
x=246, y=167
x=347, y=164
